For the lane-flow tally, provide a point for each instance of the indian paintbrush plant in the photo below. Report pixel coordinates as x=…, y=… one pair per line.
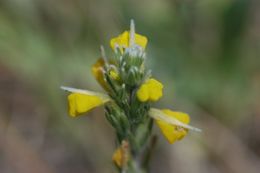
x=129, y=93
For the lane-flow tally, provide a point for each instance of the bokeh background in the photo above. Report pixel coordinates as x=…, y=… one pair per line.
x=206, y=52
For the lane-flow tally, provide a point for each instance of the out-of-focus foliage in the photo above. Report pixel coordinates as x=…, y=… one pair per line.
x=207, y=51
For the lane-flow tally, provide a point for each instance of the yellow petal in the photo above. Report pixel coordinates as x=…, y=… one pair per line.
x=97, y=71
x=143, y=93
x=118, y=157
x=121, y=155
x=151, y=90
x=81, y=103
x=155, y=89
x=172, y=132
x=183, y=117
x=123, y=40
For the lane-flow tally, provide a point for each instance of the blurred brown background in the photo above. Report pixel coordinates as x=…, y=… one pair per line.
x=206, y=52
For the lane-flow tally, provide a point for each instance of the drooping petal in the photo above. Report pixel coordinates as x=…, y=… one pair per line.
x=173, y=132
x=174, y=125
x=182, y=117
x=160, y=115
x=123, y=40
x=81, y=101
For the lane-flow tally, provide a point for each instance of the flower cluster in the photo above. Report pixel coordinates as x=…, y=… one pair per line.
x=130, y=90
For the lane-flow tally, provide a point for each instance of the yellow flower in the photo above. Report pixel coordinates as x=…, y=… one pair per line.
x=123, y=40
x=151, y=90
x=174, y=125
x=173, y=132
x=117, y=157
x=81, y=101
x=97, y=71
x=121, y=155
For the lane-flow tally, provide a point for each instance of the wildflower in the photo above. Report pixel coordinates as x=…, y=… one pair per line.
x=129, y=91
x=151, y=90
x=82, y=101
x=117, y=157
x=98, y=72
x=174, y=125
x=121, y=155
x=124, y=39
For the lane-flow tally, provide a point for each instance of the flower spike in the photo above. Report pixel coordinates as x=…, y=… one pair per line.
x=129, y=91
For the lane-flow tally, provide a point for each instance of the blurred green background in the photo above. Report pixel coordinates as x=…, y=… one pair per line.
x=206, y=52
